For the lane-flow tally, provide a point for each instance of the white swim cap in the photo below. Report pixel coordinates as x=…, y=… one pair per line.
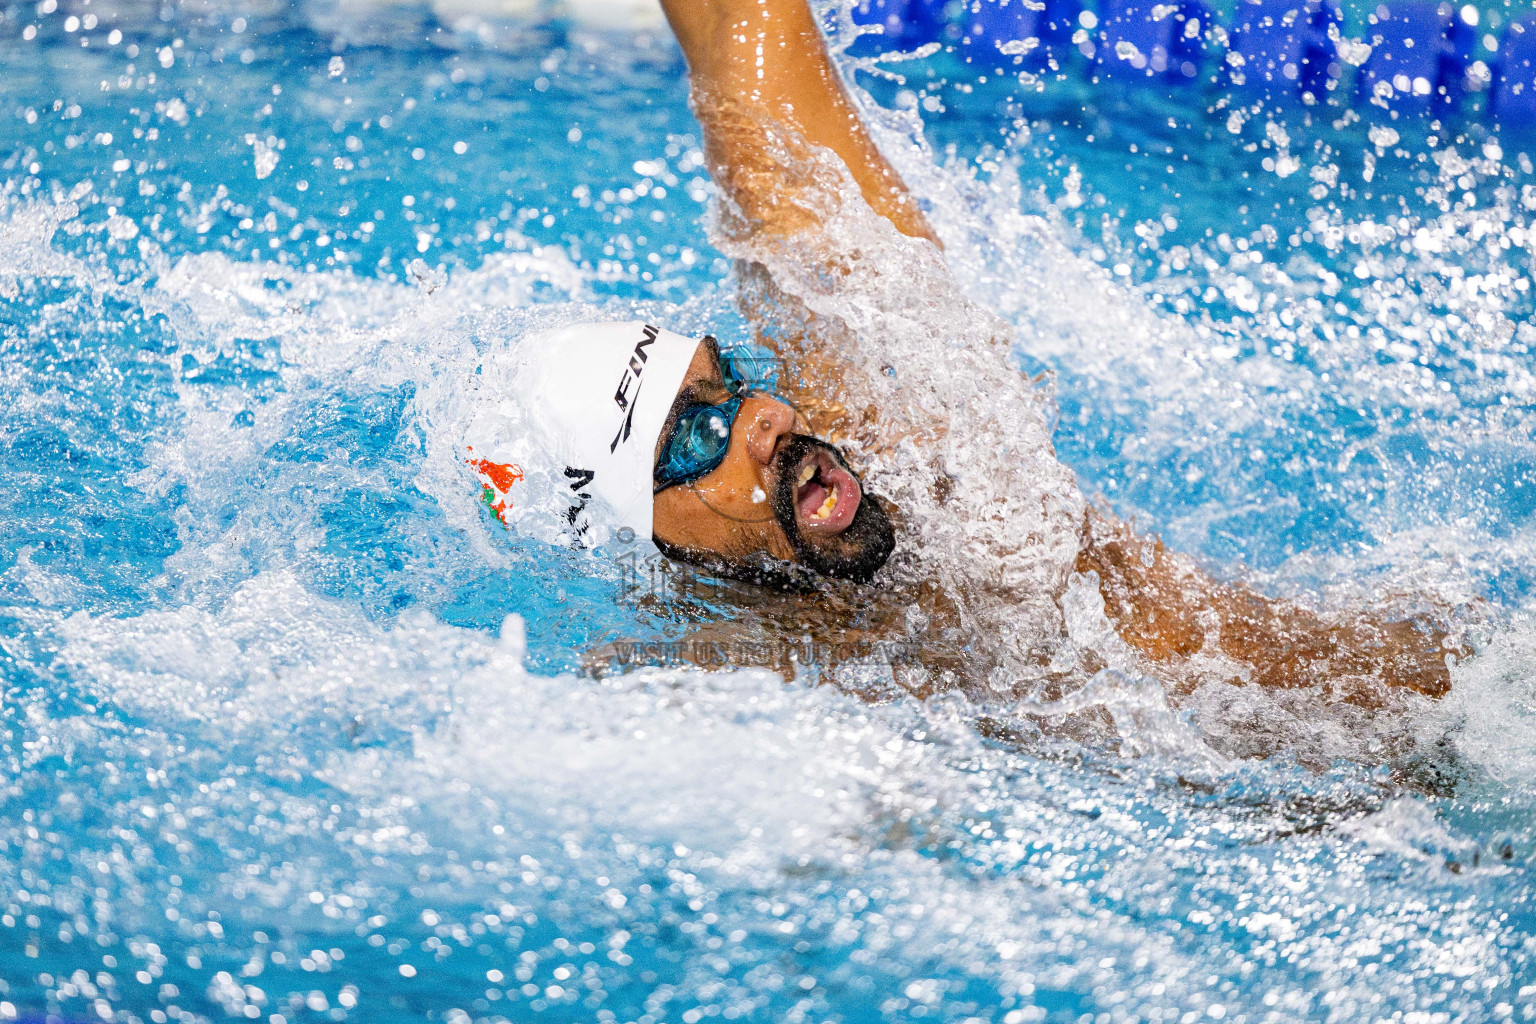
x=599, y=394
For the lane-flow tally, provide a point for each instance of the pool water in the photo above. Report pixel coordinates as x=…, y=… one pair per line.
x=293, y=731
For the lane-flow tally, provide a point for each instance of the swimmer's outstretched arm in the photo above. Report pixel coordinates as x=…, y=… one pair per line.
x=757, y=64
x=1170, y=611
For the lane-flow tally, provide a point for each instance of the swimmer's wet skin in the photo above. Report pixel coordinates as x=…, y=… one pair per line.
x=773, y=498
x=659, y=439
x=740, y=486
x=765, y=60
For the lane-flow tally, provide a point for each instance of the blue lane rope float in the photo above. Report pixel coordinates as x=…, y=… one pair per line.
x=992, y=34
x=1163, y=41
x=1284, y=51
x=1412, y=66
x=903, y=24
x=1423, y=57
x=1458, y=55
x=1514, y=89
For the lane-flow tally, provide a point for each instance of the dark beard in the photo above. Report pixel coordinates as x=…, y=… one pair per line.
x=855, y=554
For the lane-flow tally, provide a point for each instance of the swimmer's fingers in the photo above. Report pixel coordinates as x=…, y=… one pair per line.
x=762, y=78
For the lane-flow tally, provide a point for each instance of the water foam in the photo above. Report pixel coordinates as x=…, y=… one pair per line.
x=1003, y=533
x=263, y=748
x=781, y=813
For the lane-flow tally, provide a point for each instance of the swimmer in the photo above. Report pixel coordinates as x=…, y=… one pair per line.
x=670, y=439
x=751, y=481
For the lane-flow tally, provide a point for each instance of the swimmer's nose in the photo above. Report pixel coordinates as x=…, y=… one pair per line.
x=766, y=421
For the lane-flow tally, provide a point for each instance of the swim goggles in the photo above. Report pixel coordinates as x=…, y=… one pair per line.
x=702, y=434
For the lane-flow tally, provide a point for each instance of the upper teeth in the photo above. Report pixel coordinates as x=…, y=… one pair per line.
x=807, y=473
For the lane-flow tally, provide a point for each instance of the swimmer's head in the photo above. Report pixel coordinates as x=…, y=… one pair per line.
x=602, y=393
x=778, y=504
x=764, y=502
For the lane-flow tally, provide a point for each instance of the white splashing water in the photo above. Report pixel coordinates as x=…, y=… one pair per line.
x=770, y=791
x=954, y=435
x=1027, y=876
x=1004, y=532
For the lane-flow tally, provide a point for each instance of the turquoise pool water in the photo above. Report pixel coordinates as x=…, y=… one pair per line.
x=293, y=733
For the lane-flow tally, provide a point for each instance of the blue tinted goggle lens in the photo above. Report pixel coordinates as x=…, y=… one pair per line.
x=702, y=434
x=746, y=368
x=698, y=444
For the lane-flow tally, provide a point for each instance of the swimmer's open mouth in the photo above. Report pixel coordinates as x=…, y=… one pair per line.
x=826, y=494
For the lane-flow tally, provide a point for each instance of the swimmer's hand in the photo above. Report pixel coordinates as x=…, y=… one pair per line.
x=1170, y=612
x=761, y=64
